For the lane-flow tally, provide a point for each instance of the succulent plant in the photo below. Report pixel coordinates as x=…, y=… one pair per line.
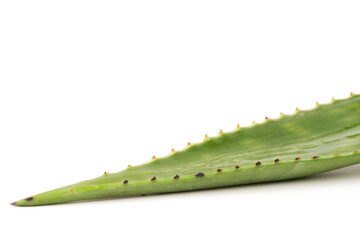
x=293, y=146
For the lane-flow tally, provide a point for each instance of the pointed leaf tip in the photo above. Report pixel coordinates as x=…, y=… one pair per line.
x=172, y=150
x=13, y=203
x=221, y=132
x=238, y=125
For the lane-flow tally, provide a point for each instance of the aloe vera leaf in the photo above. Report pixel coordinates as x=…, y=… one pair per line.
x=293, y=146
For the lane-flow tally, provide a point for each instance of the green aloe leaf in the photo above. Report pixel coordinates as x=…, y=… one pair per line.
x=306, y=143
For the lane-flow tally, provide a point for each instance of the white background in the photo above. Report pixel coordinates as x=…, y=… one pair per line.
x=92, y=86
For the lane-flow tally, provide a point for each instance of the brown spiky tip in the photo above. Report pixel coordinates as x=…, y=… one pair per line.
x=200, y=174
x=356, y=151
x=29, y=199
x=238, y=126
x=237, y=167
x=153, y=158
x=266, y=118
x=314, y=157
x=13, y=203
x=336, y=155
x=258, y=163
x=189, y=143
x=297, y=158
x=297, y=109
x=206, y=137
x=219, y=170
x=153, y=179
x=129, y=166
x=276, y=160
x=351, y=94
x=105, y=173
x=125, y=181
x=172, y=150
x=176, y=177
x=221, y=132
